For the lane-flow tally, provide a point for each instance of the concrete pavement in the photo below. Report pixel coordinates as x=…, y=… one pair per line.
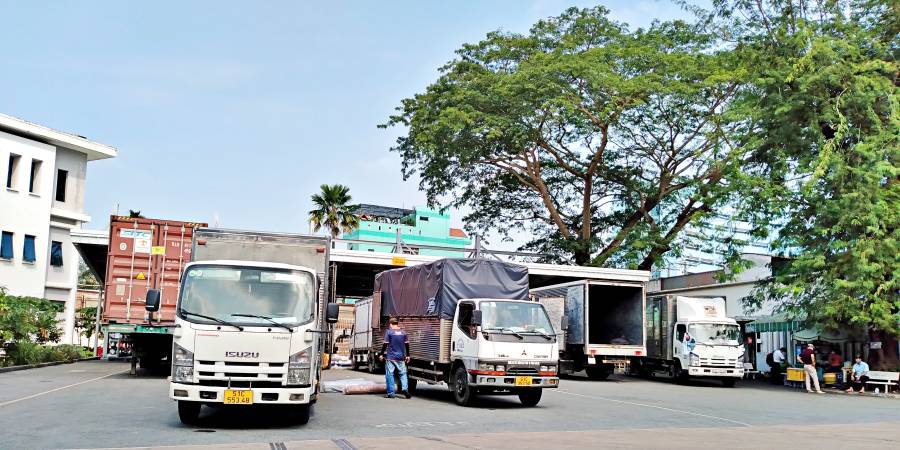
x=96, y=404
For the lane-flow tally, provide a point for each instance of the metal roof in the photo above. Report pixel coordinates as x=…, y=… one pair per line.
x=383, y=211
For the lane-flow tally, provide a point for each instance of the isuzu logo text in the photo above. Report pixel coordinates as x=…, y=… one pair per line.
x=242, y=354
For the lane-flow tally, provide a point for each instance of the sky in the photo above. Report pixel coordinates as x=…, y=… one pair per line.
x=239, y=111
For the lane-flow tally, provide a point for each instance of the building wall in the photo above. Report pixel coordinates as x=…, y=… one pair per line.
x=76, y=165
x=23, y=212
x=428, y=228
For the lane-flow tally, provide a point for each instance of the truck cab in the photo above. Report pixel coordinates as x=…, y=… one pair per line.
x=502, y=346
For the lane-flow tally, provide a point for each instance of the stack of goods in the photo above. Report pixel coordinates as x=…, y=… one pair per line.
x=343, y=330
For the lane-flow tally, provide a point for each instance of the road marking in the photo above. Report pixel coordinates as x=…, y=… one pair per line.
x=344, y=444
x=560, y=391
x=10, y=402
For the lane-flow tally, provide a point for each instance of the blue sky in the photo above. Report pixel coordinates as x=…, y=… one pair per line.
x=240, y=111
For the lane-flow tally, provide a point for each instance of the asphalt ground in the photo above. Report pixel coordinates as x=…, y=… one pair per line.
x=96, y=404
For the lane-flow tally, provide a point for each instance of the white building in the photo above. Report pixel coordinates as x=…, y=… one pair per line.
x=41, y=202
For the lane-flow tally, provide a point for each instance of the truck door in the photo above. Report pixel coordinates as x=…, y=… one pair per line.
x=462, y=342
x=678, y=347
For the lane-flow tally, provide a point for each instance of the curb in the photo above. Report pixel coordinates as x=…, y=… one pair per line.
x=46, y=364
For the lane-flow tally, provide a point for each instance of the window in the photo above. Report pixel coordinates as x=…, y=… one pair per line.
x=56, y=254
x=11, y=171
x=35, y=180
x=423, y=219
x=6, y=245
x=61, y=176
x=464, y=321
x=28, y=250
x=680, y=329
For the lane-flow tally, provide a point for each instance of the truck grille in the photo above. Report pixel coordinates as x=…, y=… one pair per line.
x=717, y=362
x=218, y=373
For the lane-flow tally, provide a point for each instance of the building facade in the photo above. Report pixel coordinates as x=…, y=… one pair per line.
x=415, y=228
x=44, y=172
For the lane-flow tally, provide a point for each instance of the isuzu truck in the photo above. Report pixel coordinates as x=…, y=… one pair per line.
x=470, y=325
x=250, y=322
x=691, y=337
x=602, y=321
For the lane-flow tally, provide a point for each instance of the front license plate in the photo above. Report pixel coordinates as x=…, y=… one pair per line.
x=523, y=381
x=238, y=397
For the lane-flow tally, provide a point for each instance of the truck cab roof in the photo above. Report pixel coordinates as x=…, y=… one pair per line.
x=259, y=264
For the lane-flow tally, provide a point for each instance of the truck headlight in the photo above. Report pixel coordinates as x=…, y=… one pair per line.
x=299, y=367
x=500, y=368
x=695, y=360
x=482, y=367
x=182, y=365
x=738, y=364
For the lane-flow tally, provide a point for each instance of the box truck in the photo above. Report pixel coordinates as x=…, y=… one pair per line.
x=691, y=337
x=143, y=255
x=250, y=322
x=604, y=324
x=470, y=325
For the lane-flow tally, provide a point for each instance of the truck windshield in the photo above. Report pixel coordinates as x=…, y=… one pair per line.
x=515, y=317
x=233, y=293
x=715, y=333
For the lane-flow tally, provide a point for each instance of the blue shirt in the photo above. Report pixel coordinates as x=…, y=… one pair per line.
x=396, y=341
x=860, y=368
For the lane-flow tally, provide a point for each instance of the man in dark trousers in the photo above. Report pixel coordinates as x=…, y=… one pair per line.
x=395, y=354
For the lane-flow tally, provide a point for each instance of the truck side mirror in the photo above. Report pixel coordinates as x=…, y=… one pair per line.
x=564, y=323
x=476, y=318
x=331, y=312
x=152, y=303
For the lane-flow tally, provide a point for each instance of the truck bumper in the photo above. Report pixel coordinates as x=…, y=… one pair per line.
x=262, y=396
x=728, y=372
x=509, y=382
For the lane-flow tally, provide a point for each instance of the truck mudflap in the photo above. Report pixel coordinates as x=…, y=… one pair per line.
x=716, y=372
x=261, y=396
x=515, y=382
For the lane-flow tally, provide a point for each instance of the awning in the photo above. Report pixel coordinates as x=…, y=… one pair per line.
x=775, y=323
x=818, y=334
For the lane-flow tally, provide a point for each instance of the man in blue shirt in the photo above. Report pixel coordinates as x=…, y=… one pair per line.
x=395, y=354
x=860, y=375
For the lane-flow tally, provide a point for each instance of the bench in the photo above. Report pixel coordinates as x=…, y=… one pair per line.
x=886, y=379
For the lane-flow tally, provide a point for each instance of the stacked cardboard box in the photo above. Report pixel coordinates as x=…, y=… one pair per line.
x=343, y=329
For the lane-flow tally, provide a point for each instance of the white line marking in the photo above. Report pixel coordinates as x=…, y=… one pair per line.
x=650, y=406
x=10, y=402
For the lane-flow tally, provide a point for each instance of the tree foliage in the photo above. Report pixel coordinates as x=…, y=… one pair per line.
x=334, y=210
x=86, y=320
x=603, y=142
x=825, y=126
x=28, y=319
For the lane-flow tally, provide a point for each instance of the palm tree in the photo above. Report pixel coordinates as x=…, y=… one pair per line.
x=333, y=210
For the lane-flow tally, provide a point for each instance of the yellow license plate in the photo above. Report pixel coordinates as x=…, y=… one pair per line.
x=523, y=381
x=238, y=397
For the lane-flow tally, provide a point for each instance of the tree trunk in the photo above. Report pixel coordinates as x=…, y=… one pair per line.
x=886, y=357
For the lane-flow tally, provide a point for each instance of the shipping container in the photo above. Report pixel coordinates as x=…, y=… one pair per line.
x=145, y=254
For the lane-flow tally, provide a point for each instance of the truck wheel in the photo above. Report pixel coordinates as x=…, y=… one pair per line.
x=188, y=412
x=729, y=382
x=596, y=373
x=354, y=364
x=530, y=397
x=462, y=392
x=678, y=374
x=301, y=414
x=370, y=364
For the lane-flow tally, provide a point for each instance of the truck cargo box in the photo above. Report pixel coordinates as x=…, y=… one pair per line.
x=144, y=254
x=432, y=290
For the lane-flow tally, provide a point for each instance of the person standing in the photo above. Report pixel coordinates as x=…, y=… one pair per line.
x=395, y=354
x=808, y=358
x=777, y=366
x=860, y=375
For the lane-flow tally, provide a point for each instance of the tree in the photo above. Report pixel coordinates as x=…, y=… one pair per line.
x=825, y=126
x=604, y=143
x=86, y=320
x=334, y=210
x=133, y=214
x=28, y=319
x=86, y=277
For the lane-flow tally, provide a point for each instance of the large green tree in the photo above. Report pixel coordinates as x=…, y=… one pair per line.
x=825, y=126
x=604, y=143
x=333, y=210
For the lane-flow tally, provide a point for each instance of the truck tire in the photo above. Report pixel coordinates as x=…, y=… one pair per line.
x=301, y=414
x=530, y=397
x=188, y=412
x=680, y=376
x=596, y=373
x=371, y=366
x=462, y=392
x=729, y=382
x=354, y=364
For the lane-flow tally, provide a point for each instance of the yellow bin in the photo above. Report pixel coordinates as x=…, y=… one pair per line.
x=795, y=374
x=830, y=378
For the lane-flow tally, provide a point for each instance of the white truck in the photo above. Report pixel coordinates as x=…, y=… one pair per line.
x=604, y=324
x=691, y=337
x=470, y=325
x=251, y=321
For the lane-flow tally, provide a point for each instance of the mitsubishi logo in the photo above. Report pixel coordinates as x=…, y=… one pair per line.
x=523, y=353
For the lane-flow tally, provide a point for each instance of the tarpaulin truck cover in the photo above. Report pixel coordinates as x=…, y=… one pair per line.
x=434, y=289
